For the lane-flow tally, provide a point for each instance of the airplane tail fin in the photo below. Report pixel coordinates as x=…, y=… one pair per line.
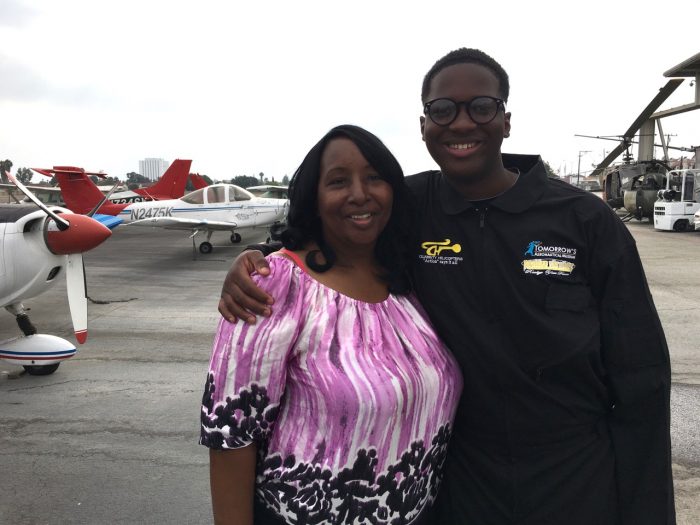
x=172, y=184
x=79, y=193
x=198, y=181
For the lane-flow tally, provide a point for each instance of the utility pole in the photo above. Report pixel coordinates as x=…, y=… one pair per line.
x=578, y=171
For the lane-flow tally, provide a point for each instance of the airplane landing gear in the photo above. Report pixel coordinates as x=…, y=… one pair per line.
x=40, y=370
x=29, y=329
x=205, y=247
x=235, y=238
x=34, y=348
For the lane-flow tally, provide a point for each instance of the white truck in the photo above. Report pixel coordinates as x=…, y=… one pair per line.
x=677, y=204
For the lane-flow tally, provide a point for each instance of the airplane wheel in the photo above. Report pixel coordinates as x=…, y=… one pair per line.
x=235, y=238
x=205, y=247
x=45, y=370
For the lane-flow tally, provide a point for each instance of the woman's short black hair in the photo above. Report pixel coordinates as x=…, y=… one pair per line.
x=304, y=224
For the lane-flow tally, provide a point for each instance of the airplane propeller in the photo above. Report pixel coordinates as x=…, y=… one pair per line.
x=71, y=234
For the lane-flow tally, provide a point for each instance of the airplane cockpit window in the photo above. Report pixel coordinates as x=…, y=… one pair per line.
x=216, y=194
x=239, y=194
x=196, y=197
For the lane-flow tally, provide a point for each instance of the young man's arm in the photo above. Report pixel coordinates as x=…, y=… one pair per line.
x=637, y=362
x=240, y=297
x=232, y=479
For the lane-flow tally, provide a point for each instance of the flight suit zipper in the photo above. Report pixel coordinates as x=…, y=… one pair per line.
x=483, y=281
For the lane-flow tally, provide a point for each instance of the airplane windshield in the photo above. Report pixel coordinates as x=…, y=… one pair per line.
x=216, y=194
x=196, y=197
x=239, y=194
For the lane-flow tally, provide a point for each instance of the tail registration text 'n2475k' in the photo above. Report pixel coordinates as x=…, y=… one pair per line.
x=147, y=213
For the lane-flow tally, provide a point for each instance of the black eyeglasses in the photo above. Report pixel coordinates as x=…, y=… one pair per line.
x=482, y=110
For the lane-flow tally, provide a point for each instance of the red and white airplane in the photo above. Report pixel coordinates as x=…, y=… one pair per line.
x=38, y=244
x=219, y=207
x=170, y=186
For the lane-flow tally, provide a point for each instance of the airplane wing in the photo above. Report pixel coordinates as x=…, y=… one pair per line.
x=176, y=223
x=108, y=220
x=49, y=194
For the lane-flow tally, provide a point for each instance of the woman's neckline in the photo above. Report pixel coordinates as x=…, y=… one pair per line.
x=299, y=263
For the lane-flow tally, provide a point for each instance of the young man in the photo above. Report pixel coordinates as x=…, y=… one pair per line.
x=537, y=288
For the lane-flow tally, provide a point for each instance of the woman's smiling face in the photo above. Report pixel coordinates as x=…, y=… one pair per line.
x=354, y=201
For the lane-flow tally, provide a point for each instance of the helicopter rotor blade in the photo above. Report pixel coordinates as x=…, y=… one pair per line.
x=648, y=111
x=615, y=139
x=659, y=99
x=622, y=146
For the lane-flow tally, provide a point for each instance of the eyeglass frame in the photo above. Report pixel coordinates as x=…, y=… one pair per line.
x=467, y=105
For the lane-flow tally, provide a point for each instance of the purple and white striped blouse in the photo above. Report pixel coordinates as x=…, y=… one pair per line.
x=350, y=403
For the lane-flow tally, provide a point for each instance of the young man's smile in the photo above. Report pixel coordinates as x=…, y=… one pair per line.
x=468, y=153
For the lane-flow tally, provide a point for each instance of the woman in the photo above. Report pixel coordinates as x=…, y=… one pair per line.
x=338, y=407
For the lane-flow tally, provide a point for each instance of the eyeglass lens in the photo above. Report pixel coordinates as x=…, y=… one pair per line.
x=481, y=110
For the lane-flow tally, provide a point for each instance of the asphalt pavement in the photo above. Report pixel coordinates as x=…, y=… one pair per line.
x=111, y=437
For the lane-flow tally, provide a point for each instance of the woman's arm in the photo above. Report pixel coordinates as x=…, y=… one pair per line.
x=232, y=479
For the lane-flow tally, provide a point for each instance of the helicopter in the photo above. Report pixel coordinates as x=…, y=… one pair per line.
x=633, y=185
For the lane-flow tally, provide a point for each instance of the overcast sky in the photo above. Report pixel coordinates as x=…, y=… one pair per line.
x=249, y=87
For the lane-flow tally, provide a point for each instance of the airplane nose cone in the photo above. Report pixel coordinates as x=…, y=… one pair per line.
x=83, y=234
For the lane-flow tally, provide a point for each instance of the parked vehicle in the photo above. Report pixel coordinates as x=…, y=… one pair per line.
x=677, y=205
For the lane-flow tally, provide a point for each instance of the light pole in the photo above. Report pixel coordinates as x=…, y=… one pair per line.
x=578, y=171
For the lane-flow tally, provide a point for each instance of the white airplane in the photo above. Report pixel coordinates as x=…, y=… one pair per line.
x=219, y=207
x=37, y=246
x=269, y=191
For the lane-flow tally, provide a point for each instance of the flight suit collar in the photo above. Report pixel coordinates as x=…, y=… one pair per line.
x=527, y=189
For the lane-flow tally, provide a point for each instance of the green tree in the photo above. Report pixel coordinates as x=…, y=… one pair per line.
x=5, y=165
x=136, y=178
x=285, y=180
x=111, y=181
x=24, y=175
x=244, y=181
x=106, y=181
x=550, y=172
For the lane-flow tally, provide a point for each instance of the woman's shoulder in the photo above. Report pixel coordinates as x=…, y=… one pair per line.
x=283, y=277
x=290, y=258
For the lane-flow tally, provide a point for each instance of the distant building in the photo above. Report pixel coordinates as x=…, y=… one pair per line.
x=153, y=168
x=682, y=163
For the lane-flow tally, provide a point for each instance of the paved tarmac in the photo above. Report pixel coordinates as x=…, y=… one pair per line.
x=111, y=437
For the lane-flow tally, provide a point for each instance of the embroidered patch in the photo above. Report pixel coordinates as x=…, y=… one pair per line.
x=548, y=259
x=434, y=250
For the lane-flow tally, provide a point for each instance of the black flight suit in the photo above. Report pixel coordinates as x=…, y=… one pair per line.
x=541, y=296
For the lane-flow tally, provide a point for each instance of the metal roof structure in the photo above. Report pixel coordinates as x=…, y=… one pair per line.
x=687, y=68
